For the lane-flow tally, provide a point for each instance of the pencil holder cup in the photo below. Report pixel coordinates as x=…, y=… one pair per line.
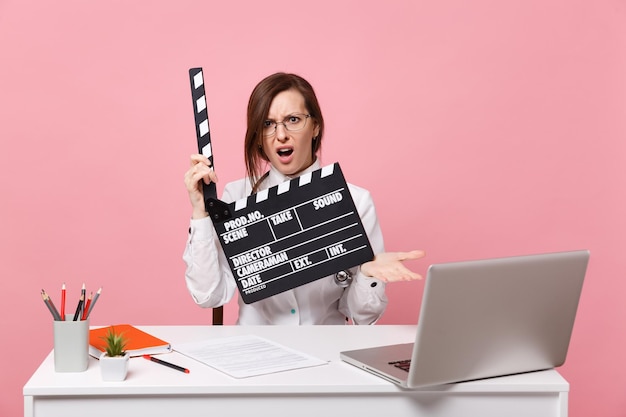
x=71, y=345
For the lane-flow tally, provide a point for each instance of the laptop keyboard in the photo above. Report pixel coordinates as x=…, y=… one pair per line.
x=404, y=364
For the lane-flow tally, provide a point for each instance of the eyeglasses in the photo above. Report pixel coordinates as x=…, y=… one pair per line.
x=291, y=123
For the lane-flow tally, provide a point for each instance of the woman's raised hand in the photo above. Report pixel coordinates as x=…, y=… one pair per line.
x=200, y=171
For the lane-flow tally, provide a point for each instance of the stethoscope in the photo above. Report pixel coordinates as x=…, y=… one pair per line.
x=343, y=278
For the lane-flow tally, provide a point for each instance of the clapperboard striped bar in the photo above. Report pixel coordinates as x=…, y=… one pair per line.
x=203, y=135
x=203, y=131
x=291, y=234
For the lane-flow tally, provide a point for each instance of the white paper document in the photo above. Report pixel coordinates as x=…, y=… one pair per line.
x=246, y=356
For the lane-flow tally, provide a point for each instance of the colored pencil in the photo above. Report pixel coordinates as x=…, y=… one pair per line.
x=93, y=302
x=50, y=305
x=63, y=302
x=83, y=296
x=86, y=309
x=79, y=307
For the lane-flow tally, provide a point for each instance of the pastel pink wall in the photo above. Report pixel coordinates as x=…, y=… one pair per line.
x=482, y=128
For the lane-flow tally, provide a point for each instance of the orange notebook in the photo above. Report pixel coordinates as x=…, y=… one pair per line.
x=138, y=342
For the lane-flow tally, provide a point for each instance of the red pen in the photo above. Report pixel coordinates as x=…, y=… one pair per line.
x=171, y=365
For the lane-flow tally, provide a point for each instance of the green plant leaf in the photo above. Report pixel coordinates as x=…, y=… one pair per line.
x=115, y=343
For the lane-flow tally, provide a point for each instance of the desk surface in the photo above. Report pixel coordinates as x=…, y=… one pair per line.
x=325, y=342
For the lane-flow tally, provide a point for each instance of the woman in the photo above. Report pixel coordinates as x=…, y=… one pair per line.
x=285, y=129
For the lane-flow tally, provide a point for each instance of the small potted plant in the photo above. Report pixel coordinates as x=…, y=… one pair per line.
x=114, y=360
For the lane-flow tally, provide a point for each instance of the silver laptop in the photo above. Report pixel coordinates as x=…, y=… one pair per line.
x=486, y=318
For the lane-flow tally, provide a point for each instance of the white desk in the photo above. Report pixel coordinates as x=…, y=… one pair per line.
x=336, y=389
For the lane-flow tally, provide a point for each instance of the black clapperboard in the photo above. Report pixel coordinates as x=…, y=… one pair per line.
x=289, y=235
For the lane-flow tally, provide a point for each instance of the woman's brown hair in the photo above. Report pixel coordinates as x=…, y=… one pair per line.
x=258, y=108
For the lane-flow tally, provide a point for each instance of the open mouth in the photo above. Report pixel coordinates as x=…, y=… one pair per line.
x=284, y=151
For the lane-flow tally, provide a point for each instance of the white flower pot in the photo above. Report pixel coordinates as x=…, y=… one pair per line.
x=114, y=368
